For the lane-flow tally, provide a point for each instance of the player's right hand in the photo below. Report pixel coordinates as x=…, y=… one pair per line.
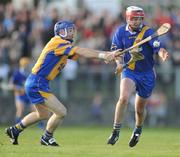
x=119, y=69
x=118, y=52
x=109, y=57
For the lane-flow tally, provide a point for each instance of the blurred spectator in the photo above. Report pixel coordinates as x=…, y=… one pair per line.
x=69, y=75
x=157, y=109
x=96, y=110
x=26, y=25
x=31, y=27
x=48, y=25
x=17, y=81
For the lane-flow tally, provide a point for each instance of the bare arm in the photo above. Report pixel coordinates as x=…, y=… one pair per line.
x=89, y=53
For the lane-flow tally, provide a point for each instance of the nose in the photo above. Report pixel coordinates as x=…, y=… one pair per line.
x=138, y=19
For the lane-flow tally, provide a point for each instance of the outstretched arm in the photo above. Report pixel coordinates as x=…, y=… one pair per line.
x=91, y=53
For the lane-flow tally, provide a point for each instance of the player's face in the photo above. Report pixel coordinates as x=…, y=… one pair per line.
x=135, y=22
x=71, y=33
x=68, y=33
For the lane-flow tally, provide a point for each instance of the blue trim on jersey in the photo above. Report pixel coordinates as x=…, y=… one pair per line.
x=66, y=52
x=62, y=44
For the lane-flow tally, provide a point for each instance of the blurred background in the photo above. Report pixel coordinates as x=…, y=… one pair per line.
x=89, y=88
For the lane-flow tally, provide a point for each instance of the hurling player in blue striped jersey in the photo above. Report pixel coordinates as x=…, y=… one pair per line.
x=136, y=76
x=49, y=64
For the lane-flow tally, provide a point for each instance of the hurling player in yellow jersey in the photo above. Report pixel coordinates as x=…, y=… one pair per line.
x=49, y=64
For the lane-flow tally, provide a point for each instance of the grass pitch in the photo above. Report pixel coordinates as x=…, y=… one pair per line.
x=91, y=142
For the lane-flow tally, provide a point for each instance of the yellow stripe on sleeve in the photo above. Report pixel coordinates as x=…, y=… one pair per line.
x=74, y=57
x=73, y=50
x=60, y=51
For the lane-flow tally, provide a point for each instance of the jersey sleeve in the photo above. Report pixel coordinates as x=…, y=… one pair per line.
x=154, y=43
x=65, y=49
x=74, y=57
x=117, y=42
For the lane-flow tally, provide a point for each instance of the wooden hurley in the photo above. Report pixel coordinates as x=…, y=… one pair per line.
x=163, y=29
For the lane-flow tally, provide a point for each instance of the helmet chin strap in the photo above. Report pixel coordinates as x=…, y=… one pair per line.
x=135, y=29
x=65, y=33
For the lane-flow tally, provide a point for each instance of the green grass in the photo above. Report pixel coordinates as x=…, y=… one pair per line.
x=91, y=142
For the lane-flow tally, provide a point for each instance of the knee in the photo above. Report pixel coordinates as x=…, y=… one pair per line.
x=43, y=115
x=61, y=112
x=123, y=100
x=140, y=111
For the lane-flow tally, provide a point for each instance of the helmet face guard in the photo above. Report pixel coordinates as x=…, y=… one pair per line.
x=134, y=16
x=65, y=29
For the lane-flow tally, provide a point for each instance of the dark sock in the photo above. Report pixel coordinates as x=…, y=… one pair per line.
x=19, y=127
x=47, y=135
x=138, y=129
x=117, y=127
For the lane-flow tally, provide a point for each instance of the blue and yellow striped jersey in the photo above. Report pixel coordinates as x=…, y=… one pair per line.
x=54, y=57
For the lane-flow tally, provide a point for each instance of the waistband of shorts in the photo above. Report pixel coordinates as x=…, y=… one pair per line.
x=39, y=78
x=140, y=72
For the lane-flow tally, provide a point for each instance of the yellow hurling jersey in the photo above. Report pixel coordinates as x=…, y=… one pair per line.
x=54, y=57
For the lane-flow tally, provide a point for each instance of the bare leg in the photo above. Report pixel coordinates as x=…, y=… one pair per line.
x=140, y=104
x=59, y=112
x=126, y=88
x=19, y=110
x=40, y=113
x=33, y=117
x=41, y=123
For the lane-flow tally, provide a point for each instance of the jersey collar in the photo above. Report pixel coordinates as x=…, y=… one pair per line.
x=132, y=33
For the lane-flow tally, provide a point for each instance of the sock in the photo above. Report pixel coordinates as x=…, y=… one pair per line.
x=138, y=129
x=117, y=127
x=47, y=135
x=19, y=127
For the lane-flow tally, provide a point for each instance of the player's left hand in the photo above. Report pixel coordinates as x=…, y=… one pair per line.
x=163, y=54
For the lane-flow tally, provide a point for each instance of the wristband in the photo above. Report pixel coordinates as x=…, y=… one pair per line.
x=101, y=55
